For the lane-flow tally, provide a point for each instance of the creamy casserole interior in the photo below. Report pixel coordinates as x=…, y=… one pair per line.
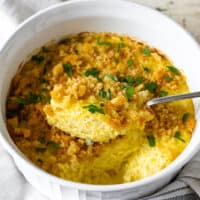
x=77, y=109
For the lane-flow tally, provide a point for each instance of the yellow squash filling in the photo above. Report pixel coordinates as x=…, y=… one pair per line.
x=78, y=109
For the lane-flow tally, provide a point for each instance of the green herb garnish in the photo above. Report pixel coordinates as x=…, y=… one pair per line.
x=68, y=68
x=178, y=136
x=102, y=93
x=128, y=79
x=45, y=98
x=93, y=108
x=92, y=72
x=174, y=70
x=105, y=94
x=113, y=77
x=146, y=69
x=103, y=43
x=130, y=62
x=129, y=92
x=123, y=86
x=146, y=51
x=21, y=100
x=151, y=86
x=185, y=117
x=138, y=80
x=163, y=93
x=119, y=46
x=168, y=78
x=32, y=98
x=108, y=95
x=53, y=144
x=152, y=141
x=37, y=58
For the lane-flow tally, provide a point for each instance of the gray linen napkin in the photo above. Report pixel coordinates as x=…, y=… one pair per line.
x=186, y=186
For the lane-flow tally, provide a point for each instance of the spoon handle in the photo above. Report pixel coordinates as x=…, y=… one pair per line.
x=173, y=98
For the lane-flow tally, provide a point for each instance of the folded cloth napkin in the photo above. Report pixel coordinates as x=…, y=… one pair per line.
x=13, y=185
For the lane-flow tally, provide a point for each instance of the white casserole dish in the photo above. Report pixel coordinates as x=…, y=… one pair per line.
x=111, y=16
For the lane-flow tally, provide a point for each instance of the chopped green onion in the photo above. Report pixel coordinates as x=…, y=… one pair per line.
x=178, y=136
x=185, y=117
x=163, y=93
x=113, y=77
x=92, y=72
x=102, y=93
x=138, y=80
x=103, y=43
x=108, y=95
x=152, y=141
x=119, y=46
x=68, y=68
x=105, y=94
x=151, y=86
x=128, y=79
x=32, y=98
x=123, y=86
x=45, y=98
x=37, y=58
x=93, y=108
x=146, y=51
x=173, y=70
x=146, y=69
x=168, y=78
x=53, y=144
x=130, y=62
x=129, y=92
x=21, y=100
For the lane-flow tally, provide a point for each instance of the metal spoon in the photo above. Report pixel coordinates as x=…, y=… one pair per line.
x=172, y=98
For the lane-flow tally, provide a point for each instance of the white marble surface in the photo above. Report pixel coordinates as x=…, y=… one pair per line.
x=185, y=12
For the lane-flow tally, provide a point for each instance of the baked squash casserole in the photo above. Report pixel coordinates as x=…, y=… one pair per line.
x=77, y=109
